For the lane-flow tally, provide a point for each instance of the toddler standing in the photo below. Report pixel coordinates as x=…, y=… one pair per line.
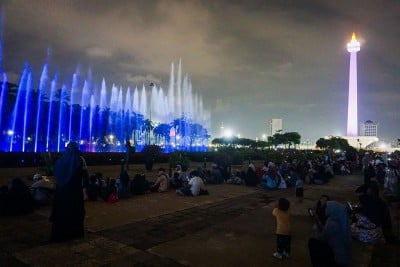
x=283, y=237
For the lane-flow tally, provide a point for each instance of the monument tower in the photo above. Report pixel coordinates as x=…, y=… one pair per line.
x=352, y=121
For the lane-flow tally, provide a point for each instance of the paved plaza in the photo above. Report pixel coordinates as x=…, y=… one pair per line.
x=232, y=226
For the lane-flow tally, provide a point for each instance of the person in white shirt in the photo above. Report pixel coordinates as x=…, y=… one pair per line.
x=194, y=186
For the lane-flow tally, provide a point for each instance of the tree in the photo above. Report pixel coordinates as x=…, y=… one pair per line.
x=162, y=131
x=196, y=132
x=292, y=138
x=322, y=143
x=147, y=127
x=333, y=143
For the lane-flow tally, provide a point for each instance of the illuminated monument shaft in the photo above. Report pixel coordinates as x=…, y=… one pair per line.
x=352, y=121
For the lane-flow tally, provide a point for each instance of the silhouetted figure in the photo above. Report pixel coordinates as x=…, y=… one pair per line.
x=123, y=184
x=251, y=177
x=332, y=244
x=130, y=150
x=139, y=184
x=17, y=199
x=68, y=212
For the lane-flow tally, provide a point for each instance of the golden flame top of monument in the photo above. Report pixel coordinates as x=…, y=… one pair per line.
x=353, y=45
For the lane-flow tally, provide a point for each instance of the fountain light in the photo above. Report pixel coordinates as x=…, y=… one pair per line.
x=55, y=112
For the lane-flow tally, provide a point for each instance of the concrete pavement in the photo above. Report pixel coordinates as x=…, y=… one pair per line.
x=232, y=226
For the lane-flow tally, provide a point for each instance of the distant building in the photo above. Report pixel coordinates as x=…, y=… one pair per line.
x=275, y=126
x=369, y=128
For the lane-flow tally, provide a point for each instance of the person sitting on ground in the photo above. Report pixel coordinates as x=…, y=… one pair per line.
x=251, y=176
x=161, y=184
x=344, y=170
x=184, y=175
x=328, y=170
x=320, y=175
x=93, y=189
x=235, y=179
x=332, y=244
x=17, y=200
x=123, y=183
x=267, y=182
x=179, y=177
x=283, y=169
x=366, y=226
x=111, y=189
x=381, y=212
x=139, y=184
x=42, y=190
x=271, y=179
x=194, y=187
x=309, y=174
x=282, y=183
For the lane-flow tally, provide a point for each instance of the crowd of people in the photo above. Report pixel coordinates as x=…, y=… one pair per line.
x=335, y=226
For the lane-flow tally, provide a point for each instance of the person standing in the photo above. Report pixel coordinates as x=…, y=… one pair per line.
x=283, y=237
x=129, y=151
x=332, y=244
x=68, y=212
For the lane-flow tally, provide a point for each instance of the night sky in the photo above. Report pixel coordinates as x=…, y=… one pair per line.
x=250, y=60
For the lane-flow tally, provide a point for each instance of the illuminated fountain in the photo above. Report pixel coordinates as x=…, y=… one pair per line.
x=46, y=115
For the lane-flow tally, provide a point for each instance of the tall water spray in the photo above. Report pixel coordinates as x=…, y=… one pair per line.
x=99, y=118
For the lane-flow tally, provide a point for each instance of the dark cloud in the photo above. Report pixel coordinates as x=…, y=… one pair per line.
x=250, y=60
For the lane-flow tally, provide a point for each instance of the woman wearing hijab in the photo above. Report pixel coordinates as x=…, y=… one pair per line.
x=68, y=211
x=332, y=245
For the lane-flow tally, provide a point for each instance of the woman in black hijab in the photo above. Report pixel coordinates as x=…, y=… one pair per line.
x=68, y=210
